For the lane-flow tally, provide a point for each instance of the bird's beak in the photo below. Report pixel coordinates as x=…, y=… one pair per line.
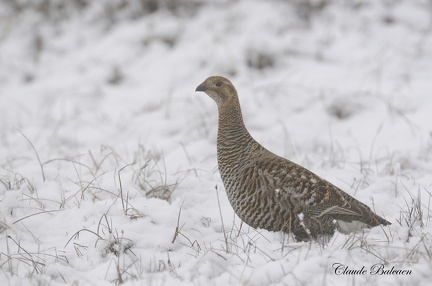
x=201, y=87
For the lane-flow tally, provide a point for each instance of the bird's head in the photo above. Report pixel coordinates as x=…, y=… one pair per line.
x=219, y=88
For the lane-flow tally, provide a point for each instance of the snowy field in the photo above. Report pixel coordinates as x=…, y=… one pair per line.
x=108, y=171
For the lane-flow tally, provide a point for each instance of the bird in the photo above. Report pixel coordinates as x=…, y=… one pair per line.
x=270, y=192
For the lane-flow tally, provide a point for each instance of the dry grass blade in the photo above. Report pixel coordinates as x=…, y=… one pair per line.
x=77, y=234
x=177, y=229
x=223, y=226
x=28, y=258
x=41, y=165
x=38, y=213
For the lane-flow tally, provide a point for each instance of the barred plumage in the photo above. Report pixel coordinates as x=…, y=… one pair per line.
x=270, y=192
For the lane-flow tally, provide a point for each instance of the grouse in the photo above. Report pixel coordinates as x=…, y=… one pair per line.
x=270, y=192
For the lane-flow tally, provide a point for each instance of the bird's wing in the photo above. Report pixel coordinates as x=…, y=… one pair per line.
x=296, y=186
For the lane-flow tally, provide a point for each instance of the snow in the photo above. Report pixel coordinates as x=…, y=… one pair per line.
x=108, y=169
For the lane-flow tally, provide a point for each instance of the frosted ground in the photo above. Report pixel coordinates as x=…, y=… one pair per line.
x=108, y=169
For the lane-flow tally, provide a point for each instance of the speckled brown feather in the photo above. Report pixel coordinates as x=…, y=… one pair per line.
x=270, y=192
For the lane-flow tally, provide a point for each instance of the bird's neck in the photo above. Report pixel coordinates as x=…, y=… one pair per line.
x=233, y=142
x=231, y=125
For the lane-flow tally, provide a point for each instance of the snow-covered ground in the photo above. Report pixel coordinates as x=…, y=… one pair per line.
x=108, y=169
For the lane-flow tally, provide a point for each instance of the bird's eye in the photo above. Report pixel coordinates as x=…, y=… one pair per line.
x=219, y=84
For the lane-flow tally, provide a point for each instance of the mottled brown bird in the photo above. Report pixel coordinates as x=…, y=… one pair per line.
x=270, y=192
